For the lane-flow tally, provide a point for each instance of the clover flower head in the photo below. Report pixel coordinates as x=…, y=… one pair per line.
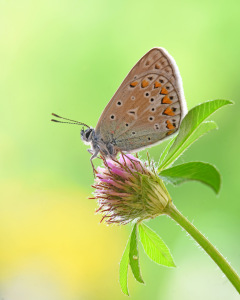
x=129, y=190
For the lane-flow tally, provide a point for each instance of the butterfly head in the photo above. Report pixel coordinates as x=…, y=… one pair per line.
x=87, y=135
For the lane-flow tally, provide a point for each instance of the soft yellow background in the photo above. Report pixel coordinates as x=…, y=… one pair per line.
x=69, y=57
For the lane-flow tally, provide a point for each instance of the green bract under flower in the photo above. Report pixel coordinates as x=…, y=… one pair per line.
x=127, y=190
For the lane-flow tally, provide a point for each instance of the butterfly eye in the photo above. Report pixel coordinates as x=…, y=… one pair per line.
x=88, y=133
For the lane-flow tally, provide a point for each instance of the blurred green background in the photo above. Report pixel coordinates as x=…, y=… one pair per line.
x=69, y=57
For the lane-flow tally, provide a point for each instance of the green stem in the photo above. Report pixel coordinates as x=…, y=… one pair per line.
x=230, y=273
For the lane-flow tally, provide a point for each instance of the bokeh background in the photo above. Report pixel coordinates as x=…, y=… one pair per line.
x=69, y=57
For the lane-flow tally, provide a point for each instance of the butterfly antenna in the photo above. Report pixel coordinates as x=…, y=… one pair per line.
x=72, y=121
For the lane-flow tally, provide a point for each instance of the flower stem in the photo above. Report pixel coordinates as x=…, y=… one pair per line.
x=230, y=273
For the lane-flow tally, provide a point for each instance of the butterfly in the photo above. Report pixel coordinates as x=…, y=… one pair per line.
x=147, y=108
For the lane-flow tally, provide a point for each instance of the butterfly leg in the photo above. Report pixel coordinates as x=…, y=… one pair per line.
x=90, y=151
x=94, y=155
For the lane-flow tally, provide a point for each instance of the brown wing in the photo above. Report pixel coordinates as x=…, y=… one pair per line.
x=148, y=106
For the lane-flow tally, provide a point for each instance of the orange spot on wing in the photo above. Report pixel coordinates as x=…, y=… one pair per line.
x=168, y=111
x=169, y=125
x=157, y=84
x=170, y=132
x=145, y=83
x=164, y=91
x=166, y=100
x=133, y=84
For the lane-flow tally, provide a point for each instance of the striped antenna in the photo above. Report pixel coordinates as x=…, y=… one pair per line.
x=72, y=121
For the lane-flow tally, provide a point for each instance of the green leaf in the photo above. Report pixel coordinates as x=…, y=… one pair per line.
x=191, y=128
x=165, y=151
x=200, y=131
x=154, y=246
x=134, y=256
x=198, y=171
x=123, y=269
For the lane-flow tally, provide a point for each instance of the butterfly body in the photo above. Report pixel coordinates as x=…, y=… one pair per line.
x=106, y=148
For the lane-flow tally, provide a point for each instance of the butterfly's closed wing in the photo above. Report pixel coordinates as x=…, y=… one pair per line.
x=148, y=106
